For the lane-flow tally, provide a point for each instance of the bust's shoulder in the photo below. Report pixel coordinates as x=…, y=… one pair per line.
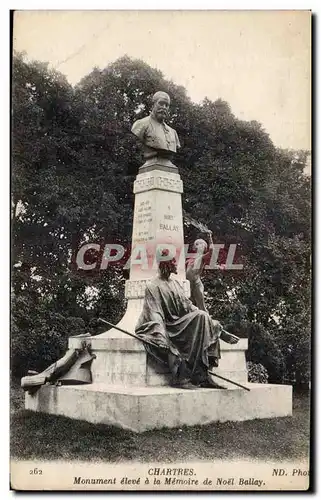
x=141, y=123
x=173, y=133
x=169, y=128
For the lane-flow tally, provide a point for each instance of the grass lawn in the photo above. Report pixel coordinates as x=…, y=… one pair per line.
x=48, y=437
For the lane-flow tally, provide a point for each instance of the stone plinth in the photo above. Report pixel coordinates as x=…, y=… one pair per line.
x=144, y=408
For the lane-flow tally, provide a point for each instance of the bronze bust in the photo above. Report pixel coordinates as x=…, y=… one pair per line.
x=159, y=140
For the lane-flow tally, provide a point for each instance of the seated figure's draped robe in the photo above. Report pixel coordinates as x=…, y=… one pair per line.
x=187, y=337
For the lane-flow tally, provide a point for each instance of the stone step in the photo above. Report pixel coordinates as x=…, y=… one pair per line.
x=143, y=408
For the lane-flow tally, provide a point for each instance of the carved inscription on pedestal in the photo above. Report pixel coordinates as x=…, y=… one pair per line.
x=136, y=289
x=143, y=219
x=158, y=182
x=168, y=223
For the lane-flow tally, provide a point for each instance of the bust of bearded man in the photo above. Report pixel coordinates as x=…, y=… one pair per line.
x=159, y=140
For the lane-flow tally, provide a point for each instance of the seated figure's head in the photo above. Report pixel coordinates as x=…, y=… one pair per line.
x=161, y=102
x=166, y=267
x=200, y=245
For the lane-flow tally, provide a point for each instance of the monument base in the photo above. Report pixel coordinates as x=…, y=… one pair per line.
x=131, y=392
x=144, y=408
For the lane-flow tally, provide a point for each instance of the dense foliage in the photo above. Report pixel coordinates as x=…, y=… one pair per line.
x=74, y=161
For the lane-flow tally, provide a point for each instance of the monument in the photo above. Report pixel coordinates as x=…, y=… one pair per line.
x=128, y=388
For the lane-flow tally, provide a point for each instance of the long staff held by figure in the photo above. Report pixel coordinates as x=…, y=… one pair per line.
x=158, y=346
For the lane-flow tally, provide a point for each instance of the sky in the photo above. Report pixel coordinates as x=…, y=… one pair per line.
x=258, y=61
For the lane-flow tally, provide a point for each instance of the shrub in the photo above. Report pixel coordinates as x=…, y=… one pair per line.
x=257, y=373
x=38, y=338
x=265, y=351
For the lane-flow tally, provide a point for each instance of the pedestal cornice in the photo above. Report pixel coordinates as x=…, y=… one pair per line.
x=158, y=179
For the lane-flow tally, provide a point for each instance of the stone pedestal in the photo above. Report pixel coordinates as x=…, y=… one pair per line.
x=143, y=408
x=128, y=389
